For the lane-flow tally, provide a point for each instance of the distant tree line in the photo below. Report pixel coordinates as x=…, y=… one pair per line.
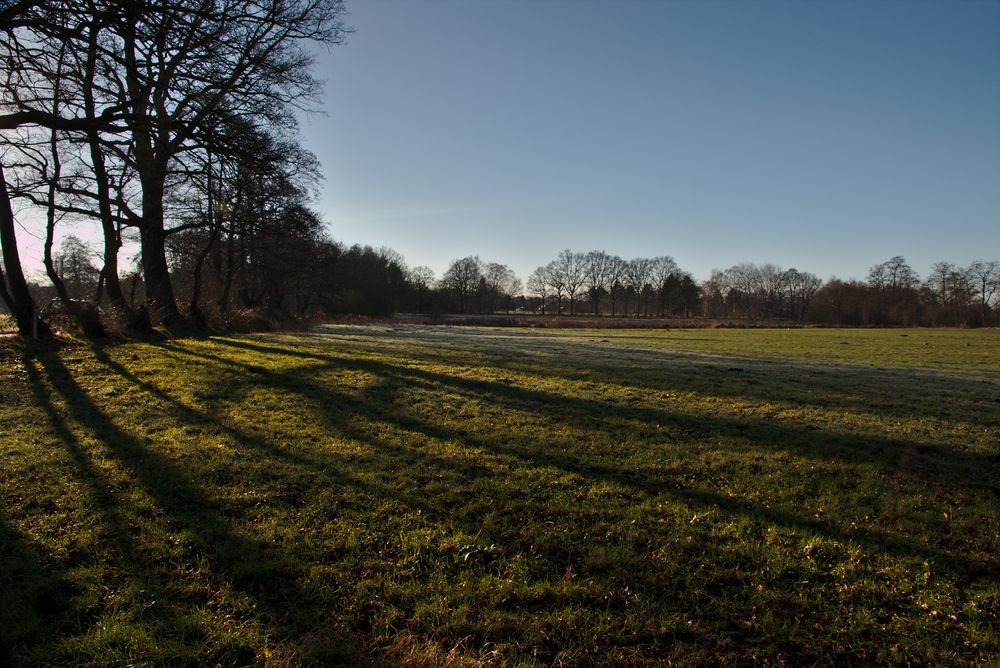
x=324, y=277
x=892, y=295
x=598, y=284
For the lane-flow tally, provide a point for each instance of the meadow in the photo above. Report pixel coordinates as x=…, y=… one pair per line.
x=419, y=495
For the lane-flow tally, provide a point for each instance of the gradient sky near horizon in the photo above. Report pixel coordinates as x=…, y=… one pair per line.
x=824, y=135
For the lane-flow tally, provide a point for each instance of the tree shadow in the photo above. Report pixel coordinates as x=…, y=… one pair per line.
x=253, y=567
x=879, y=392
x=34, y=591
x=378, y=412
x=945, y=466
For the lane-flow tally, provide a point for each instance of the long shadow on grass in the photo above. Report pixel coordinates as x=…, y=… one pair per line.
x=759, y=434
x=893, y=392
x=880, y=392
x=115, y=528
x=251, y=567
x=946, y=465
x=310, y=462
x=382, y=405
x=33, y=594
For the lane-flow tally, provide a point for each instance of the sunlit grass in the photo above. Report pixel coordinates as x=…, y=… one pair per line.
x=479, y=496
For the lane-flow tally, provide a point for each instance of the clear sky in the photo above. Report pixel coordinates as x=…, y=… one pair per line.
x=827, y=136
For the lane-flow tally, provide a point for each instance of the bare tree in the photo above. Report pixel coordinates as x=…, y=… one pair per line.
x=421, y=278
x=637, y=275
x=538, y=285
x=939, y=280
x=986, y=277
x=770, y=290
x=462, y=279
x=557, y=281
x=662, y=269
x=801, y=287
x=14, y=290
x=596, y=266
x=570, y=267
x=615, y=279
x=893, y=280
x=501, y=284
x=161, y=73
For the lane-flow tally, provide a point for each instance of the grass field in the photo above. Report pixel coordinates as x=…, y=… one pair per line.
x=450, y=496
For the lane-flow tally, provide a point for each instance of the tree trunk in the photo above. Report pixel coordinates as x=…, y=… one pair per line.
x=160, y=298
x=161, y=304
x=16, y=293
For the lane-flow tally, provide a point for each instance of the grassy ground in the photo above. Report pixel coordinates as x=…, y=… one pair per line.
x=428, y=496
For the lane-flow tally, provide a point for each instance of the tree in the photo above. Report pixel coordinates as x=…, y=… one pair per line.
x=538, y=285
x=557, y=281
x=159, y=75
x=596, y=266
x=894, y=280
x=687, y=295
x=938, y=281
x=986, y=278
x=14, y=290
x=13, y=286
x=662, y=268
x=743, y=281
x=637, y=273
x=75, y=265
x=462, y=279
x=801, y=288
x=421, y=278
x=501, y=285
x=615, y=278
x=569, y=267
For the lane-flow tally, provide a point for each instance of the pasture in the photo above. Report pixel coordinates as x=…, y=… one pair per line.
x=419, y=495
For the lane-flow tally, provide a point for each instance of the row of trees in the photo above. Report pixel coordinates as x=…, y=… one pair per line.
x=892, y=294
x=170, y=122
x=336, y=279
x=596, y=283
x=763, y=291
x=609, y=284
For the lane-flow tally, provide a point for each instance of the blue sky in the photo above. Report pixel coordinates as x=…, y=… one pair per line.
x=823, y=135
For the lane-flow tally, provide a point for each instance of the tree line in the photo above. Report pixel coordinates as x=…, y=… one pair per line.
x=369, y=281
x=596, y=283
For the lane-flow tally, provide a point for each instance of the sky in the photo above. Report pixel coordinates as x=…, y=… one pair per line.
x=828, y=136
x=824, y=135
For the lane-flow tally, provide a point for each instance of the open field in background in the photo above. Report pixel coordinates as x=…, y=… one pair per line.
x=430, y=495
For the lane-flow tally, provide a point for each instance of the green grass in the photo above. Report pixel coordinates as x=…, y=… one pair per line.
x=431, y=496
